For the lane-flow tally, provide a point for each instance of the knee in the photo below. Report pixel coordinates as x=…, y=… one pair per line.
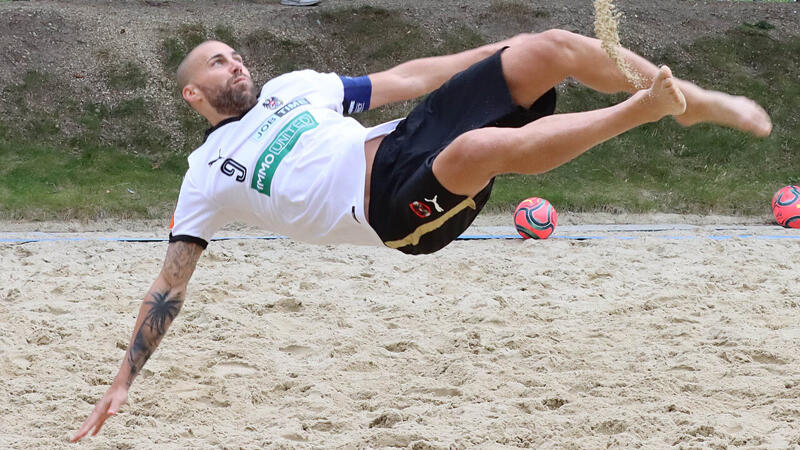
x=481, y=151
x=555, y=47
x=557, y=36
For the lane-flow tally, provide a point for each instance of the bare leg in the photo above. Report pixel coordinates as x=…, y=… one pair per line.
x=533, y=61
x=469, y=162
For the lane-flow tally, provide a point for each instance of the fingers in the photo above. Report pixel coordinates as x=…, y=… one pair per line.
x=87, y=425
x=102, y=411
x=116, y=403
x=90, y=423
x=103, y=419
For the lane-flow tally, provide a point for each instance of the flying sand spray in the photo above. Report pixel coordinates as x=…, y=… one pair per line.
x=606, y=28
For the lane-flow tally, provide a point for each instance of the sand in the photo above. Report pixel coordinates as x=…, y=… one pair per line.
x=639, y=338
x=606, y=28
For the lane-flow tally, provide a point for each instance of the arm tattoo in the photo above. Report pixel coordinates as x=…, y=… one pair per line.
x=163, y=310
x=138, y=354
x=164, y=306
x=180, y=262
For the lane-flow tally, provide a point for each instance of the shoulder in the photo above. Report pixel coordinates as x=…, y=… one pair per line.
x=200, y=158
x=303, y=79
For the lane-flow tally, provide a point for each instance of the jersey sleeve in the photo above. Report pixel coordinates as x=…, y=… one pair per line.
x=345, y=95
x=357, y=94
x=196, y=218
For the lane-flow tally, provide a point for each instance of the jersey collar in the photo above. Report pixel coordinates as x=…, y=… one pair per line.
x=221, y=124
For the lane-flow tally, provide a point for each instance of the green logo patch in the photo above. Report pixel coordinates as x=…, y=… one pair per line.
x=277, y=149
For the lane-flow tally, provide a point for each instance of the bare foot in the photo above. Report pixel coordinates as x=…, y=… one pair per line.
x=727, y=110
x=664, y=97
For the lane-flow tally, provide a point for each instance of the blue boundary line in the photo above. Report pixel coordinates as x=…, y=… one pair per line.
x=472, y=237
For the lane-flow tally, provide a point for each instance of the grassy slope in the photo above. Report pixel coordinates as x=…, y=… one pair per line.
x=78, y=158
x=43, y=182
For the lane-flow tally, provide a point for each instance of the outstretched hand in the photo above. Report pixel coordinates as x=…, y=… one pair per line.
x=109, y=405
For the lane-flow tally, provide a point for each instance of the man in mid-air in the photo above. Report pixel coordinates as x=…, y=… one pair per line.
x=287, y=158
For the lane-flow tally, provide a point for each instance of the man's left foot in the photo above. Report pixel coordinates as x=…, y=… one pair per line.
x=732, y=111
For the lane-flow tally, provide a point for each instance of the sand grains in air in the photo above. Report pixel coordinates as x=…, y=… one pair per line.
x=606, y=28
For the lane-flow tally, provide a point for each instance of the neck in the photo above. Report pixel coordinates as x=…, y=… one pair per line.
x=215, y=118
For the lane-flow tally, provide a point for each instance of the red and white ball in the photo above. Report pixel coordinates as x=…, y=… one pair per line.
x=535, y=218
x=786, y=206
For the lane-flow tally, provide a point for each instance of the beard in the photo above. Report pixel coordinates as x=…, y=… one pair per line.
x=233, y=100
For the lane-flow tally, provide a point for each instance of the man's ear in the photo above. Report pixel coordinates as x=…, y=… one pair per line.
x=191, y=94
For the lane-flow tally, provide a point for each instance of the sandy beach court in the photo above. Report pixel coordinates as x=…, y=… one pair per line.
x=681, y=335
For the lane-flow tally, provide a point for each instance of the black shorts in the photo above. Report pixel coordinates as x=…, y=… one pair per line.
x=408, y=208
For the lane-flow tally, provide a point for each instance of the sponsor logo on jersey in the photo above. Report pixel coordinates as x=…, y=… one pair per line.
x=265, y=126
x=280, y=146
x=272, y=103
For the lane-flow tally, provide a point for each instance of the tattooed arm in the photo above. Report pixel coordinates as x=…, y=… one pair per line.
x=159, y=308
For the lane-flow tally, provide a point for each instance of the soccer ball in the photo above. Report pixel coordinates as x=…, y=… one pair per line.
x=535, y=218
x=786, y=206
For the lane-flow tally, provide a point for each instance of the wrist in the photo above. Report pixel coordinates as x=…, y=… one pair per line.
x=121, y=382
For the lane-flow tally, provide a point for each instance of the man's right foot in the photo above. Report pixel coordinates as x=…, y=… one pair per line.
x=664, y=97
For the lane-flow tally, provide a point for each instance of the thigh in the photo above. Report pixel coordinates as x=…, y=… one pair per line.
x=467, y=164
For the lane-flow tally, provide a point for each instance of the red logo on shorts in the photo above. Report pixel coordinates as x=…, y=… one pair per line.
x=420, y=209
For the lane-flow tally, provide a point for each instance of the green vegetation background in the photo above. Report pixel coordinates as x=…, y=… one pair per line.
x=70, y=156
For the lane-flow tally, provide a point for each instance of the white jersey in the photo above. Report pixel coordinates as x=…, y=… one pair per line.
x=294, y=164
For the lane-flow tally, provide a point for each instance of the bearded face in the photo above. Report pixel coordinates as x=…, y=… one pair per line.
x=237, y=96
x=215, y=82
